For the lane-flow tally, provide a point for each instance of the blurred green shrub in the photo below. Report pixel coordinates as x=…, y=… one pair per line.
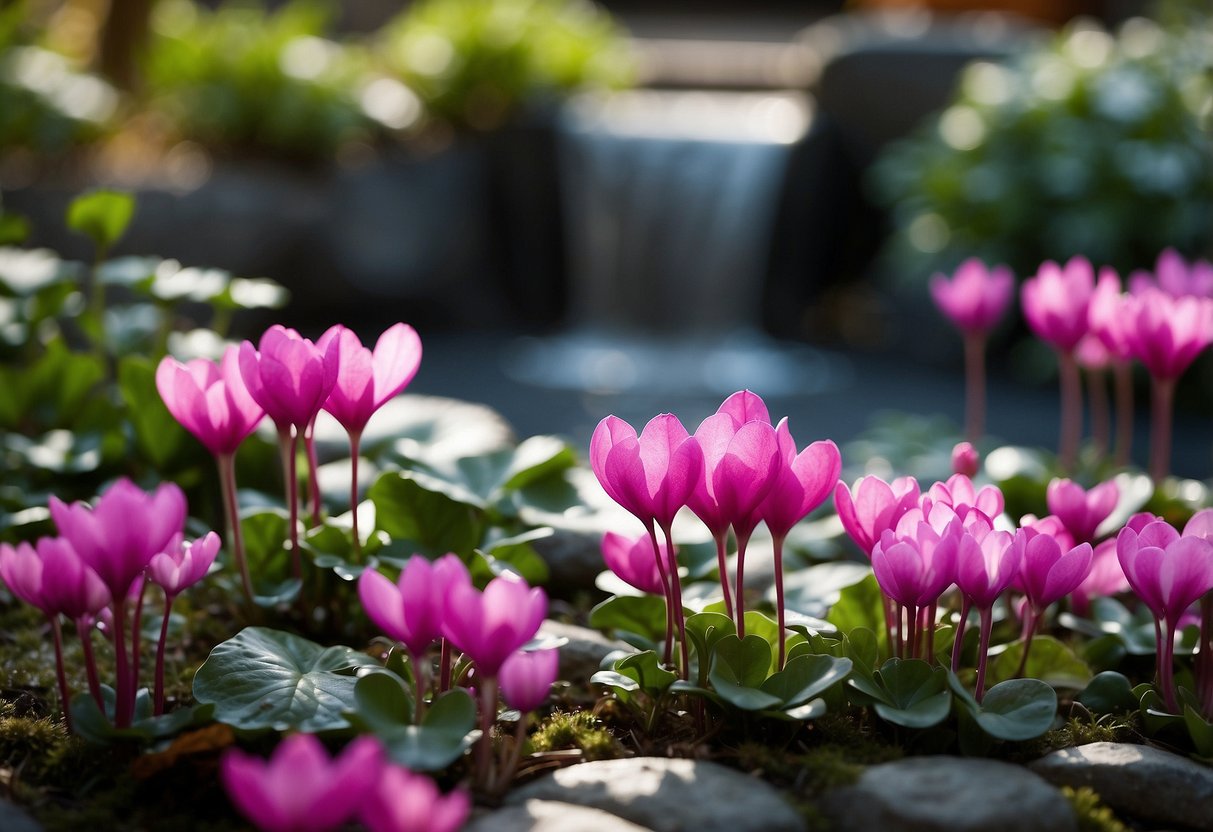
x=241, y=79
x=475, y=62
x=1094, y=144
x=46, y=105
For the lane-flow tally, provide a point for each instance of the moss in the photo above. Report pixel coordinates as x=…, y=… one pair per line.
x=576, y=730
x=1078, y=731
x=30, y=744
x=1092, y=814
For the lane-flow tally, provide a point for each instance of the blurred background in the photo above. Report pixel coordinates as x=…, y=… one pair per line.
x=636, y=206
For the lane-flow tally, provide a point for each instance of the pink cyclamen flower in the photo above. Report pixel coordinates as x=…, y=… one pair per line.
x=488, y=626
x=1091, y=354
x=50, y=575
x=976, y=296
x=1166, y=333
x=289, y=376
x=1080, y=510
x=1105, y=579
x=745, y=406
x=1107, y=317
x=1047, y=573
x=300, y=788
x=873, y=506
x=802, y=483
x=1050, y=525
x=960, y=494
x=632, y=560
x=740, y=466
x=123, y=531
x=210, y=401
x=412, y=609
x=965, y=459
x=1056, y=301
x=183, y=563
x=915, y=564
x=651, y=475
x=527, y=677
x=406, y=802
x=366, y=380
x=1175, y=276
x=1169, y=572
x=986, y=562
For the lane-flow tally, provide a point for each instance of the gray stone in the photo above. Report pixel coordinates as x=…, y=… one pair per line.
x=14, y=819
x=582, y=654
x=574, y=558
x=949, y=794
x=1136, y=780
x=669, y=795
x=551, y=816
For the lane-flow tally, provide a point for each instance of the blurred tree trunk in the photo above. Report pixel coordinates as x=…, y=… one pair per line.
x=123, y=41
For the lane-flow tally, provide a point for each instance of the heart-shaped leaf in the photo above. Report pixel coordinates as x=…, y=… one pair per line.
x=91, y=724
x=906, y=692
x=446, y=731
x=805, y=677
x=739, y=668
x=860, y=605
x=421, y=520
x=1108, y=693
x=1048, y=660
x=638, y=619
x=1016, y=710
x=266, y=678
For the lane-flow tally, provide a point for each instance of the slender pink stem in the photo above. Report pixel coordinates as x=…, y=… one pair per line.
x=288, y=441
x=510, y=763
x=932, y=614
x=1071, y=411
x=488, y=716
x=444, y=667
x=313, y=483
x=889, y=616
x=159, y=696
x=1204, y=659
x=421, y=674
x=743, y=541
x=1034, y=619
x=983, y=650
x=676, y=585
x=1160, y=429
x=84, y=630
x=124, y=700
x=912, y=631
x=65, y=694
x=1166, y=670
x=355, y=443
x=777, y=543
x=1101, y=419
x=901, y=631
x=231, y=509
x=137, y=639
x=668, y=653
x=1123, y=375
x=958, y=642
x=975, y=385
x=722, y=565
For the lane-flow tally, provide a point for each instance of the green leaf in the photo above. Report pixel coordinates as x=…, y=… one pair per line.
x=739, y=668
x=1016, y=710
x=1049, y=660
x=424, y=521
x=805, y=677
x=102, y=216
x=14, y=229
x=95, y=726
x=906, y=692
x=265, y=547
x=809, y=710
x=645, y=669
x=861, y=605
x=158, y=433
x=766, y=628
x=266, y=678
x=1108, y=693
x=1200, y=730
x=705, y=629
x=630, y=616
x=814, y=590
x=446, y=731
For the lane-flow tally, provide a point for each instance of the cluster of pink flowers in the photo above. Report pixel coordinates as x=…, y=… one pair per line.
x=736, y=471
x=301, y=789
x=922, y=544
x=1165, y=321
x=435, y=602
x=97, y=571
x=290, y=379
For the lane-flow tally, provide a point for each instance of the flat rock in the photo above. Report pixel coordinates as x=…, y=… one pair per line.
x=582, y=654
x=1136, y=780
x=669, y=795
x=551, y=816
x=14, y=819
x=949, y=794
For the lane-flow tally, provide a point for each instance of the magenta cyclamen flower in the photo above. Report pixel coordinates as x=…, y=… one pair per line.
x=1106, y=578
x=961, y=495
x=965, y=460
x=651, y=475
x=50, y=575
x=873, y=506
x=1166, y=333
x=412, y=609
x=740, y=466
x=183, y=563
x=210, y=401
x=976, y=296
x=123, y=531
x=300, y=788
x=915, y=564
x=488, y=626
x=366, y=380
x=289, y=376
x=1056, y=301
x=1107, y=316
x=1047, y=573
x=1082, y=511
x=405, y=802
x=527, y=677
x=986, y=562
x=632, y=560
x=803, y=481
x=1168, y=572
x=1176, y=276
